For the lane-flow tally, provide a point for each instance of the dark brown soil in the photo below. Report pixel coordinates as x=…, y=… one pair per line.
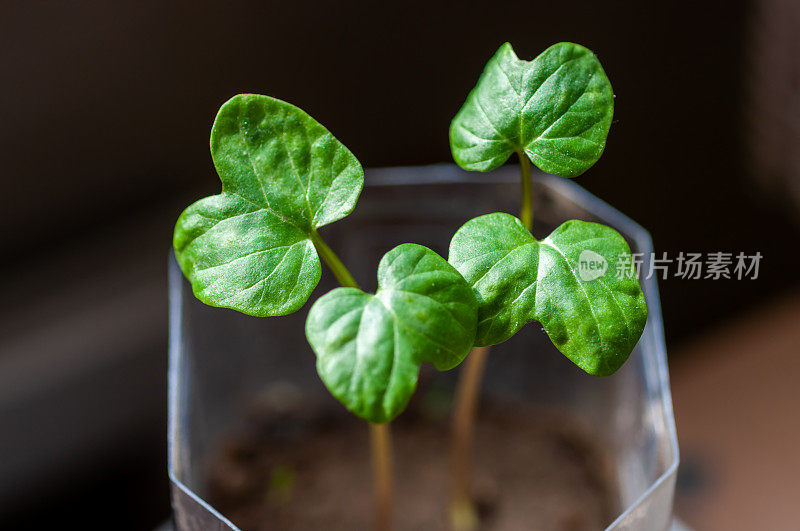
x=313, y=474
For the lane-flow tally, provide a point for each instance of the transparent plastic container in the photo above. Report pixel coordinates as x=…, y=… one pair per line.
x=220, y=361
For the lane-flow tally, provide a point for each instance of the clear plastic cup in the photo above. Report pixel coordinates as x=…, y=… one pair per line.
x=221, y=361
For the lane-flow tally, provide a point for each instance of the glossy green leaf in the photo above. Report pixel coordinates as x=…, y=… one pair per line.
x=283, y=175
x=569, y=282
x=557, y=109
x=369, y=347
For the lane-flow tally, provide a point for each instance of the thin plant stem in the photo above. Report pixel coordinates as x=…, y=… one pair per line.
x=382, y=472
x=526, y=210
x=463, y=514
x=379, y=434
x=336, y=266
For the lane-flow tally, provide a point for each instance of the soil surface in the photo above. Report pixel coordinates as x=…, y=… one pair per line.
x=313, y=473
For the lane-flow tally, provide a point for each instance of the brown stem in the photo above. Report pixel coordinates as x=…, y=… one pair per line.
x=382, y=473
x=463, y=514
x=379, y=434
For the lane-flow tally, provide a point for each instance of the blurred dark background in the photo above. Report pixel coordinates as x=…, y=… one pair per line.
x=106, y=109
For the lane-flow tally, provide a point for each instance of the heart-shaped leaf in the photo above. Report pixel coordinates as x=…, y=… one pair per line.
x=569, y=282
x=369, y=347
x=557, y=109
x=251, y=248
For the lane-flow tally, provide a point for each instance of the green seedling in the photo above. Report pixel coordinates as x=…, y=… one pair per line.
x=594, y=322
x=554, y=111
x=255, y=248
x=370, y=347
